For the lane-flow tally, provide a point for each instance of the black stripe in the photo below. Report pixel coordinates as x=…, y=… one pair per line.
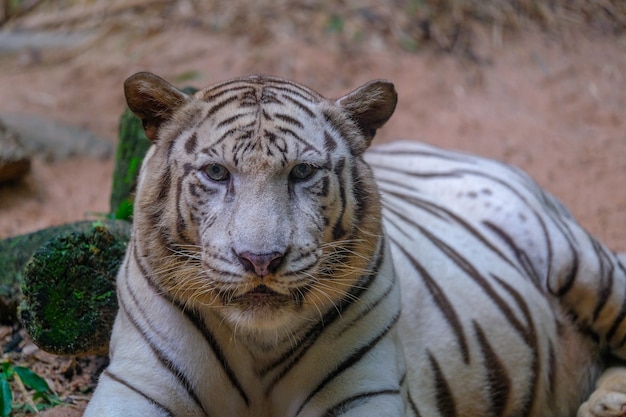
x=219, y=90
x=361, y=193
x=442, y=302
x=218, y=352
x=532, y=340
x=338, y=230
x=307, y=145
x=290, y=88
x=181, y=224
x=445, y=214
x=434, y=153
x=479, y=279
x=356, y=400
x=165, y=184
x=369, y=307
x=292, y=356
x=412, y=404
x=616, y=325
x=539, y=194
x=343, y=126
x=191, y=143
x=329, y=143
x=621, y=316
x=200, y=325
x=217, y=107
x=605, y=275
x=288, y=119
x=161, y=355
x=301, y=105
x=521, y=255
x=553, y=381
x=350, y=361
x=232, y=119
x=443, y=394
x=528, y=335
x=155, y=403
x=226, y=135
x=498, y=381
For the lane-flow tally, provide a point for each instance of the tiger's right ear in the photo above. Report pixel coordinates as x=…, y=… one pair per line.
x=153, y=100
x=370, y=106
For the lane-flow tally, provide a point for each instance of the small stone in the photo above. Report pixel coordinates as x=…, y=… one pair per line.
x=14, y=157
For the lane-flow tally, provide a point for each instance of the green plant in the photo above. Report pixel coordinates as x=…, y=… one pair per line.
x=35, y=390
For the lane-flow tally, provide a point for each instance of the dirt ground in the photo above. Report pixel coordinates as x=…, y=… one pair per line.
x=553, y=105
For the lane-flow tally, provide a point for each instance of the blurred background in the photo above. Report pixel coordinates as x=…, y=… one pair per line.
x=540, y=84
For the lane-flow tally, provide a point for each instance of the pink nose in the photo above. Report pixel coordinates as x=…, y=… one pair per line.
x=261, y=264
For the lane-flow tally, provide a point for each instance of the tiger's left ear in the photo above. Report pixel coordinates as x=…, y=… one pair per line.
x=153, y=100
x=370, y=106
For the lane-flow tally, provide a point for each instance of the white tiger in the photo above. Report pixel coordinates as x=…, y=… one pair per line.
x=265, y=278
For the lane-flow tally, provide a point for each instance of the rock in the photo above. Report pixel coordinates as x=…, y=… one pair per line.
x=16, y=40
x=14, y=157
x=56, y=141
x=69, y=297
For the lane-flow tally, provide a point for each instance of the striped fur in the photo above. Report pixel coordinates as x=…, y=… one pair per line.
x=265, y=276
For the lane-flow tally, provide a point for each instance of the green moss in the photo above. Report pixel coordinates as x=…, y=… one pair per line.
x=131, y=149
x=16, y=251
x=69, y=300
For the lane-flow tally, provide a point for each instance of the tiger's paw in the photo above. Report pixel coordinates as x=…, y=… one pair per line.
x=609, y=399
x=604, y=404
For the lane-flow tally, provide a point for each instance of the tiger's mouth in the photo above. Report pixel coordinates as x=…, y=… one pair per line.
x=261, y=291
x=262, y=296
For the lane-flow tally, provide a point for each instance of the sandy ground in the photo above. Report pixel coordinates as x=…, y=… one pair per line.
x=556, y=107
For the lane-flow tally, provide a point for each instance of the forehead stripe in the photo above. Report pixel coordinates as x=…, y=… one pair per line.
x=219, y=91
x=286, y=91
x=232, y=119
x=221, y=105
x=289, y=119
x=301, y=105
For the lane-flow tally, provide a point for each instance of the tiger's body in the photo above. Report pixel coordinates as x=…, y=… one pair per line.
x=265, y=277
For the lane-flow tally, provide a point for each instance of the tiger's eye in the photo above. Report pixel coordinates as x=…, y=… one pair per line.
x=302, y=171
x=217, y=172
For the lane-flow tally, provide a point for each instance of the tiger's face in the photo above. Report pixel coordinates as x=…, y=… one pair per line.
x=254, y=202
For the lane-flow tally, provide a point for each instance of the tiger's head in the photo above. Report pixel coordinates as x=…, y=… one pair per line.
x=253, y=201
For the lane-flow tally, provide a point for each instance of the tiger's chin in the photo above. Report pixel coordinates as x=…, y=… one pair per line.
x=263, y=310
x=261, y=299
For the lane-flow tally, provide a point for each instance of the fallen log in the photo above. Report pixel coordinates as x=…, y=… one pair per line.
x=15, y=252
x=68, y=289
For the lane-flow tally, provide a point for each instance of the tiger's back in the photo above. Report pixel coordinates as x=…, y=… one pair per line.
x=492, y=270
x=266, y=278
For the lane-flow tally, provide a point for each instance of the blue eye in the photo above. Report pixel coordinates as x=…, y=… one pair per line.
x=302, y=171
x=216, y=172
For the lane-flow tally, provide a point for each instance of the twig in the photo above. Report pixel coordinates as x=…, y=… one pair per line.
x=28, y=398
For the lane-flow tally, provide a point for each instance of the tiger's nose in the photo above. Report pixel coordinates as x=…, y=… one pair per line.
x=261, y=264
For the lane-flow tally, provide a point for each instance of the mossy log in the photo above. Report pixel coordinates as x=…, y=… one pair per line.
x=131, y=148
x=68, y=289
x=16, y=251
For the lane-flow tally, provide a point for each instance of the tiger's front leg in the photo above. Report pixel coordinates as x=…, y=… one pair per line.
x=609, y=398
x=114, y=398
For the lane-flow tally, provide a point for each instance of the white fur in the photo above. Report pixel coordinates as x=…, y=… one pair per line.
x=458, y=229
